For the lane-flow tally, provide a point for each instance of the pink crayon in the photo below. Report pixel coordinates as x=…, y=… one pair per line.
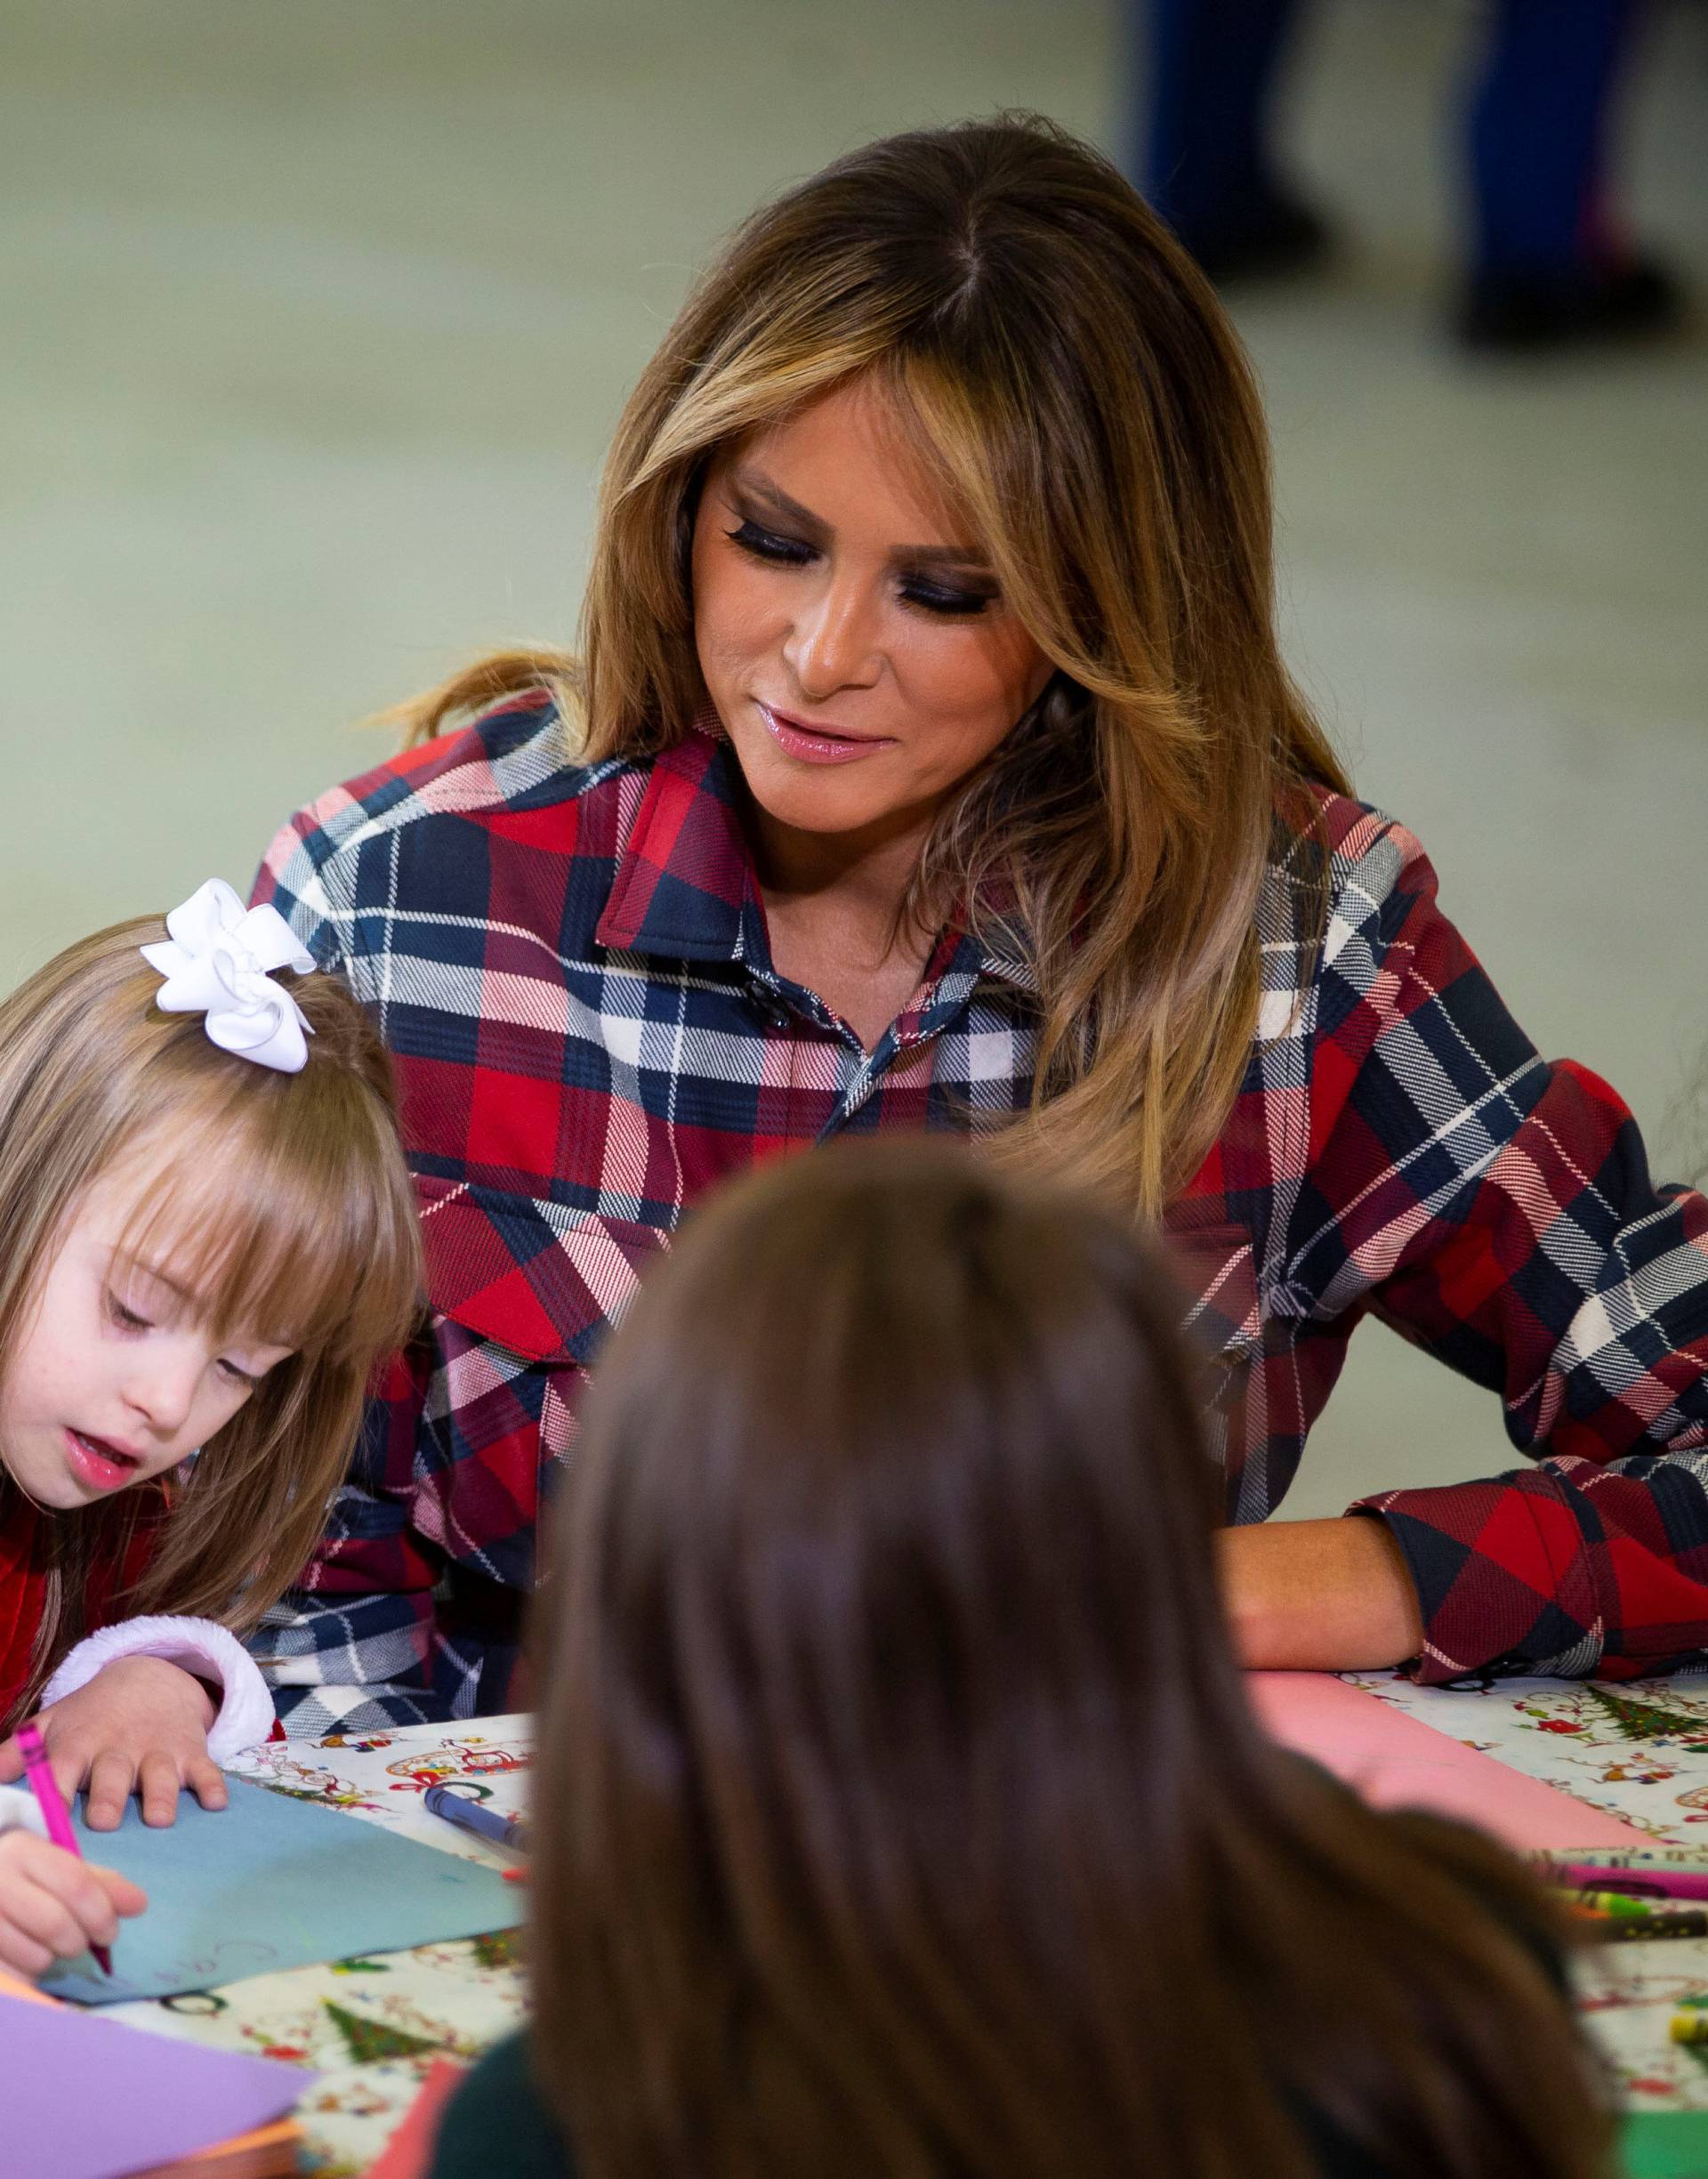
x=59, y=1824
x=1640, y=1880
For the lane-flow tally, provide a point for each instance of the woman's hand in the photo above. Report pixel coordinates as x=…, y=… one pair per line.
x=1318, y=1595
x=140, y=1725
x=53, y=1906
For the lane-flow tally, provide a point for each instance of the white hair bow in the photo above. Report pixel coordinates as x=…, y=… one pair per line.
x=218, y=960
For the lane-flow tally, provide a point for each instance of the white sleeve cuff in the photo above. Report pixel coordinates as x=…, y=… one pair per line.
x=20, y=1811
x=205, y=1650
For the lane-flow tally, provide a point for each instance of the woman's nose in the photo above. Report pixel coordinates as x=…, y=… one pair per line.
x=833, y=643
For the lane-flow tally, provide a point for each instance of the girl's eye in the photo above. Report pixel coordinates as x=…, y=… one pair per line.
x=125, y=1317
x=244, y=1379
x=766, y=545
x=948, y=604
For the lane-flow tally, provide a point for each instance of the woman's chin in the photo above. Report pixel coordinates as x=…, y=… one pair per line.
x=830, y=801
x=819, y=802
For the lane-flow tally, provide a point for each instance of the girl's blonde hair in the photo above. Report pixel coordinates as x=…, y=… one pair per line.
x=1077, y=390
x=282, y=1199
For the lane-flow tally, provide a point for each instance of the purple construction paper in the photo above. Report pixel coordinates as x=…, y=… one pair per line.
x=86, y=2098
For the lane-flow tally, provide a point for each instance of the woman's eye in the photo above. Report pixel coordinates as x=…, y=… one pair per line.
x=951, y=604
x=766, y=545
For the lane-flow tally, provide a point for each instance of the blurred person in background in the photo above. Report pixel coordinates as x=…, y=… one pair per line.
x=1548, y=265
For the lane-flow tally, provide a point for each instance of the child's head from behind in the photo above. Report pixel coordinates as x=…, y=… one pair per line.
x=883, y=1580
x=198, y=1254
x=884, y=1409
x=899, y=1807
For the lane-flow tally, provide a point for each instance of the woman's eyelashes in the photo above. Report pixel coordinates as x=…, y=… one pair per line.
x=766, y=545
x=935, y=598
x=941, y=599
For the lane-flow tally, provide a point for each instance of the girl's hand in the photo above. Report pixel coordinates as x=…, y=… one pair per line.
x=140, y=1726
x=53, y=1906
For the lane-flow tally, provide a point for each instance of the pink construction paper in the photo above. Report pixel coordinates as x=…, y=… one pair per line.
x=1395, y=1761
x=86, y=2098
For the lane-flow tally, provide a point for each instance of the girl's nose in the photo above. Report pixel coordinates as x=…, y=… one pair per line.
x=833, y=644
x=162, y=1389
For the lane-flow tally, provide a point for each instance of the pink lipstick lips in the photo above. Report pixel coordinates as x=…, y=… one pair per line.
x=813, y=745
x=102, y=1465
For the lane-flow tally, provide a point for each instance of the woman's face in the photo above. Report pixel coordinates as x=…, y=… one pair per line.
x=851, y=635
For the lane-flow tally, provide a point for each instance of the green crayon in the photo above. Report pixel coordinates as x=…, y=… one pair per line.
x=1620, y=1903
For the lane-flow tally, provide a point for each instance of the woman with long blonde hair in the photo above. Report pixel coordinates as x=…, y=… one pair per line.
x=928, y=760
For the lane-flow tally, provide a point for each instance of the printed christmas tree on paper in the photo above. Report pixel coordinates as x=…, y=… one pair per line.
x=369, y=2040
x=1647, y=1721
x=500, y=1948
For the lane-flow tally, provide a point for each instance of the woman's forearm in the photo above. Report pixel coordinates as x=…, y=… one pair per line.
x=1318, y=1595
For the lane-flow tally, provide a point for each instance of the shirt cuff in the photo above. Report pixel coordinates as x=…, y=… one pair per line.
x=202, y=1648
x=20, y=1811
x=1504, y=1581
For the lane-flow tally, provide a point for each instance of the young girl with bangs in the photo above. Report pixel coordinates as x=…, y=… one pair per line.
x=898, y=1810
x=208, y=1240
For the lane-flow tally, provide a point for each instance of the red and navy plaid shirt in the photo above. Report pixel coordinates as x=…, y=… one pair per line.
x=570, y=967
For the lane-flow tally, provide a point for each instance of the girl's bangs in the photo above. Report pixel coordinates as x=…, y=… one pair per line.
x=309, y=1261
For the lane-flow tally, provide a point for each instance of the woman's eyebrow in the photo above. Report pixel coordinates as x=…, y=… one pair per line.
x=753, y=484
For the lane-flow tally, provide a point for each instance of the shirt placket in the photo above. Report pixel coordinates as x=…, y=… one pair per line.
x=786, y=1008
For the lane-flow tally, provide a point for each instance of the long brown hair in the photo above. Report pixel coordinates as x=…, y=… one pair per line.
x=898, y=1808
x=283, y=1199
x=1080, y=395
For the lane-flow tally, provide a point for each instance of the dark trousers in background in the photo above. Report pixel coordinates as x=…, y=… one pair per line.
x=1532, y=129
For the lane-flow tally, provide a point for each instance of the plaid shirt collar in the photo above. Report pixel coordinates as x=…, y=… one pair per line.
x=685, y=887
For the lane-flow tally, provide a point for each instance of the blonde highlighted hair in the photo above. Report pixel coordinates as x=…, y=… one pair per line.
x=1076, y=388
x=281, y=1201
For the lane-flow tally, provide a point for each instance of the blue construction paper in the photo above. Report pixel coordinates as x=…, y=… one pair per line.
x=270, y=1883
x=90, y=2098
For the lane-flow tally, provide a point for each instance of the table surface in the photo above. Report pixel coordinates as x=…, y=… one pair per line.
x=371, y=2027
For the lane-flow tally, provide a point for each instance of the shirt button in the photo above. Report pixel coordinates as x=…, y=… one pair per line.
x=765, y=1005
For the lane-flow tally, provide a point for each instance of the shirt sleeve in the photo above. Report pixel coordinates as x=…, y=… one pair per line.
x=296, y=877
x=356, y=1643
x=1498, y=1211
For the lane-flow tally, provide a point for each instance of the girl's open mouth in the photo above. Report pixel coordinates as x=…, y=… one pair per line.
x=96, y=1461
